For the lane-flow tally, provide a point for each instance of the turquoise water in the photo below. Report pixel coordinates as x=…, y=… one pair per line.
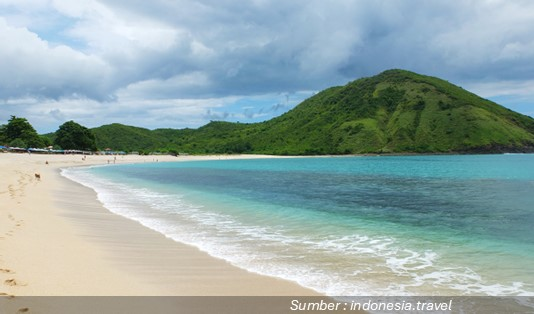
x=411, y=225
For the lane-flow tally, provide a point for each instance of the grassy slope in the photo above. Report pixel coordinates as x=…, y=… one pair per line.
x=128, y=138
x=395, y=111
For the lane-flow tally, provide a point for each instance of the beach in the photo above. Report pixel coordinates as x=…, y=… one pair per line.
x=56, y=239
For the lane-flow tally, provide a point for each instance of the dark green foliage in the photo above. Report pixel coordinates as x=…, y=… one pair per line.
x=47, y=141
x=49, y=138
x=3, y=139
x=72, y=135
x=394, y=112
x=18, y=143
x=20, y=133
x=120, y=137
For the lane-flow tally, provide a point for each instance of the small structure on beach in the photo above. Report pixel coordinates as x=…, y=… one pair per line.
x=109, y=151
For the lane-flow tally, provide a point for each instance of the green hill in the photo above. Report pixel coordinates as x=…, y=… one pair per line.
x=127, y=138
x=394, y=112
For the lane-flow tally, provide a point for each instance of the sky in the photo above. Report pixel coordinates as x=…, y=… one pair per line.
x=178, y=64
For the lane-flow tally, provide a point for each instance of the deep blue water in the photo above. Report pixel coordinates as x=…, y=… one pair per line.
x=345, y=225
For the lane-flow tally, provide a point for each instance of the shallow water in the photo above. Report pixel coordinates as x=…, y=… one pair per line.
x=411, y=225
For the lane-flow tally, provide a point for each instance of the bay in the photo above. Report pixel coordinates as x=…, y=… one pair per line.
x=388, y=225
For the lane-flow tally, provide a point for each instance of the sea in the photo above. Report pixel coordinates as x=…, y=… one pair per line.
x=450, y=225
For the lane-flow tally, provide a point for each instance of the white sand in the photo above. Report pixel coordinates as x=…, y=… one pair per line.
x=57, y=239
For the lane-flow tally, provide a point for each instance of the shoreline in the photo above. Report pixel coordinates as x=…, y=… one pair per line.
x=57, y=239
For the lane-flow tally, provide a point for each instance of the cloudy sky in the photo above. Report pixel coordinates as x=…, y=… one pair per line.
x=177, y=63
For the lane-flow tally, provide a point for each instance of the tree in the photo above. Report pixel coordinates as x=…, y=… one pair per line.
x=72, y=135
x=3, y=138
x=20, y=128
x=18, y=143
x=46, y=141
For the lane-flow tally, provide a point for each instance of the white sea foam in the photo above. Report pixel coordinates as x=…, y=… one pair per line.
x=335, y=264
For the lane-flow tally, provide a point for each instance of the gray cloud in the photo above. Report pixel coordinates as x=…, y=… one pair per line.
x=263, y=46
x=131, y=56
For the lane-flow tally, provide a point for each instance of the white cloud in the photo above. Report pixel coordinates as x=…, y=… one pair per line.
x=178, y=87
x=488, y=32
x=132, y=59
x=106, y=31
x=32, y=67
x=503, y=88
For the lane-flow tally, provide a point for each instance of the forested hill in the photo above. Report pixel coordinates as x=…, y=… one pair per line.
x=396, y=111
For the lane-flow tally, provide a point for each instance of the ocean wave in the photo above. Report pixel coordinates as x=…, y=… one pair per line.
x=334, y=264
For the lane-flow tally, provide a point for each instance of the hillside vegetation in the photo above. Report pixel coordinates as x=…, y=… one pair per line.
x=396, y=111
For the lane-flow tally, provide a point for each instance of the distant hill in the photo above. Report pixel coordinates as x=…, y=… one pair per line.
x=127, y=138
x=396, y=111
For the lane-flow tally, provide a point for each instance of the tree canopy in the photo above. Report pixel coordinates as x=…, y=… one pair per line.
x=19, y=132
x=72, y=135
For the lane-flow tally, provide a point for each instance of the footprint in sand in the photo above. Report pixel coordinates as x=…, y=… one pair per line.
x=6, y=271
x=23, y=310
x=9, y=296
x=11, y=190
x=13, y=282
